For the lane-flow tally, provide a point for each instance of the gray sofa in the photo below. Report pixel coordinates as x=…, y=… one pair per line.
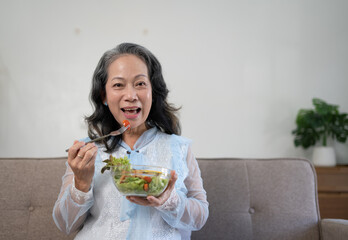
x=249, y=199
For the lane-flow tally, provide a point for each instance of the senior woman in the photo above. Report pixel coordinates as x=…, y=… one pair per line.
x=128, y=85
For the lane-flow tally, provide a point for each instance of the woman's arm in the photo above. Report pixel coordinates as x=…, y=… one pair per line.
x=189, y=212
x=72, y=205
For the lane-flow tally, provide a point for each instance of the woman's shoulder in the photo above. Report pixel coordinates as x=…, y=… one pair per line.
x=181, y=139
x=174, y=137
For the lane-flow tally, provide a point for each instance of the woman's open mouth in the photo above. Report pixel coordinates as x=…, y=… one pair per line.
x=131, y=112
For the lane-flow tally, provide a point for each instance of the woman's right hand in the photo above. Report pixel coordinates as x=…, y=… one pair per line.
x=81, y=158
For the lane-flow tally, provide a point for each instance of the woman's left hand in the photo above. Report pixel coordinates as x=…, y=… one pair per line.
x=156, y=201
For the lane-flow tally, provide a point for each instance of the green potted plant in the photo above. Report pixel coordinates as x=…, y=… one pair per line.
x=317, y=126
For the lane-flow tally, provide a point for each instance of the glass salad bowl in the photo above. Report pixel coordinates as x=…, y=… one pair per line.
x=140, y=180
x=137, y=180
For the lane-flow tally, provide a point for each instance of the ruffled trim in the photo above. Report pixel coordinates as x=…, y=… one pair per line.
x=172, y=202
x=78, y=196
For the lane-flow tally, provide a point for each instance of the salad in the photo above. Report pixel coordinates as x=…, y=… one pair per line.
x=137, y=180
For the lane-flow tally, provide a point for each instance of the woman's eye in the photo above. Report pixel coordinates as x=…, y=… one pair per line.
x=141, y=84
x=117, y=85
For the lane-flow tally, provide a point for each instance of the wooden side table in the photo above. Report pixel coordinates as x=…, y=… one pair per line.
x=333, y=191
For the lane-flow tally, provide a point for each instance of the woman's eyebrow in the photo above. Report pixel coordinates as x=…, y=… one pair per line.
x=117, y=78
x=121, y=78
x=141, y=75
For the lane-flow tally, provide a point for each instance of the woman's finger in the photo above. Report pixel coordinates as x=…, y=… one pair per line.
x=73, y=150
x=89, y=153
x=138, y=200
x=93, y=154
x=83, y=150
x=86, y=156
x=172, y=180
x=154, y=201
x=166, y=194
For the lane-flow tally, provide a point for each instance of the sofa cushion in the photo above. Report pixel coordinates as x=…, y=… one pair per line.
x=29, y=189
x=260, y=199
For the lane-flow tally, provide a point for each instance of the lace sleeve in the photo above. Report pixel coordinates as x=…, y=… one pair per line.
x=171, y=203
x=188, y=212
x=72, y=205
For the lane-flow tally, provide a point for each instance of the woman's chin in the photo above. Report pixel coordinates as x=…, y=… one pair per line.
x=136, y=126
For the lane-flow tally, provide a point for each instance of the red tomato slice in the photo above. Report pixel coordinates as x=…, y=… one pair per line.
x=146, y=187
x=125, y=123
x=147, y=179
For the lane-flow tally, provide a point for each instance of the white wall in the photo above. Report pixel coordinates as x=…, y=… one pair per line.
x=245, y=67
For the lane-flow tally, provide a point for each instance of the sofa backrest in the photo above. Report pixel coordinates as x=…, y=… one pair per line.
x=260, y=199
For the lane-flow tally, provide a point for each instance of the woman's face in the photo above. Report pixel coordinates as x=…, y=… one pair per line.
x=128, y=91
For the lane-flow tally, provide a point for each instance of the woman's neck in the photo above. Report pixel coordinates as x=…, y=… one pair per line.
x=131, y=136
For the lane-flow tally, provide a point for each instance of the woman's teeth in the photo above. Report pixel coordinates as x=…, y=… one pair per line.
x=131, y=110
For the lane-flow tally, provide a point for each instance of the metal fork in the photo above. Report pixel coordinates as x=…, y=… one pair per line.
x=114, y=133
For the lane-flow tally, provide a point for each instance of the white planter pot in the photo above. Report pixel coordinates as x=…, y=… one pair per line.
x=324, y=156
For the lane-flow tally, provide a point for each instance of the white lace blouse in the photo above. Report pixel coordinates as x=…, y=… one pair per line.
x=103, y=213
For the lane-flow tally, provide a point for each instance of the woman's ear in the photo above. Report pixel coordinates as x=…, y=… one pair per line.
x=104, y=98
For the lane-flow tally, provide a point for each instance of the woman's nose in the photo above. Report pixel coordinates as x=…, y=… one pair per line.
x=131, y=94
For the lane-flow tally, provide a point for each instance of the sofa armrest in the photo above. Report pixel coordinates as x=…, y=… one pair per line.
x=334, y=229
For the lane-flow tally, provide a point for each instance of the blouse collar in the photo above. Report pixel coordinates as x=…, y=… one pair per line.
x=143, y=140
